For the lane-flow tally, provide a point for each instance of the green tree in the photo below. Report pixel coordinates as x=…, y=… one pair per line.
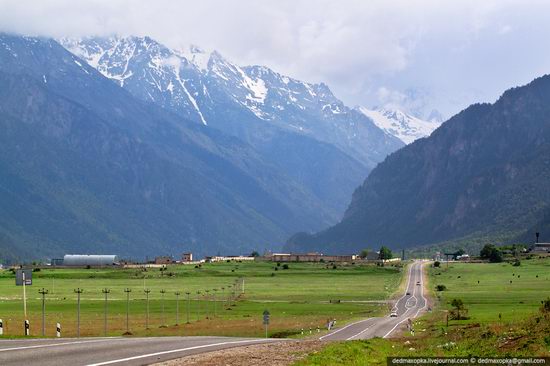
x=492, y=253
x=458, y=306
x=254, y=254
x=364, y=253
x=385, y=253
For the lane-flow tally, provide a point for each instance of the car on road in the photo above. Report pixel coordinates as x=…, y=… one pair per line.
x=408, y=293
x=393, y=314
x=418, y=283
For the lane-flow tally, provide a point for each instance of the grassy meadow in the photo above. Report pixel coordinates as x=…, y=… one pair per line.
x=301, y=297
x=490, y=289
x=522, y=330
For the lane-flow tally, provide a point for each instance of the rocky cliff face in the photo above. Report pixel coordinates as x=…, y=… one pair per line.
x=481, y=173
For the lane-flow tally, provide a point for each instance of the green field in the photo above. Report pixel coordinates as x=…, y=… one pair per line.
x=522, y=330
x=303, y=296
x=512, y=292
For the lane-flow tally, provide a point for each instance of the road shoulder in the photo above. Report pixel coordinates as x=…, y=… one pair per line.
x=273, y=354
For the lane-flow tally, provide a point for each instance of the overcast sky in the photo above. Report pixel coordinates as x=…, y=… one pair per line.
x=415, y=54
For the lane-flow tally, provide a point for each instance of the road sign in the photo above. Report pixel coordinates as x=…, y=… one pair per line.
x=19, y=277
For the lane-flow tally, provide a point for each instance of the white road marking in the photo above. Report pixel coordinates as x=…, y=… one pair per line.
x=341, y=329
x=418, y=311
x=173, y=351
x=56, y=344
x=358, y=334
x=406, y=289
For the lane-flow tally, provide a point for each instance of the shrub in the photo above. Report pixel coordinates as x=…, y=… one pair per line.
x=545, y=307
x=441, y=287
x=334, y=266
x=437, y=264
x=278, y=264
x=285, y=266
x=516, y=263
x=36, y=269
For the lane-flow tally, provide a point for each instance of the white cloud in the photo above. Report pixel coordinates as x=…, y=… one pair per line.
x=456, y=50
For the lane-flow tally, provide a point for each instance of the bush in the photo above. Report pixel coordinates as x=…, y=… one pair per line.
x=285, y=266
x=545, y=307
x=278, y=264
x=437, y=264
x=441, y=287
x=36, y=269
x=492, y=253
x=334, y=266
x=516, y=263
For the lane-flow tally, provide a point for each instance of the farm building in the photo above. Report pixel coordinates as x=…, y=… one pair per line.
x=541, y=248
x=311, y=257
x=89, y=260
x=187, y=257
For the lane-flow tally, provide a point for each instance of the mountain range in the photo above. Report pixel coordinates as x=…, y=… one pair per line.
x=481, y=177
x=124, y=145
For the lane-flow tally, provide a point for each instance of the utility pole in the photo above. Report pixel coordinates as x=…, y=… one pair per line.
x=177, y=293
x=43, y=292
x=78, y=291
x=198, y=305
x=206, y=304
x=215, y=307
x=127, y=290
x=147, y=291
x=105, y=292
x=162, y=292
x=188, y=304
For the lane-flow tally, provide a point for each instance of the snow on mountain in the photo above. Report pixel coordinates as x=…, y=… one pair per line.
x=400, y=124
x=207, y=88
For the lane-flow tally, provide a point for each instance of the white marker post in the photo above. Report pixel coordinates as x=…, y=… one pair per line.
x=58, y=330
x=27, y=328
x=1, y=327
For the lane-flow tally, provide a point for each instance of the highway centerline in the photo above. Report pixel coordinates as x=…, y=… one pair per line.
x=174, y=351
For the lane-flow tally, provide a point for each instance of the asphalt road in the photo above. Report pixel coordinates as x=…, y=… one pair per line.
x=111, y=351
x=407, y=307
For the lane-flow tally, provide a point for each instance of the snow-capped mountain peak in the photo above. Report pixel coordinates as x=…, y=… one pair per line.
x=206, y=87
x=400, y=124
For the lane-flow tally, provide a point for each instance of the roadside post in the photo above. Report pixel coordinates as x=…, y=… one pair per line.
x=58, y=330
x=106, y=293
x=43, y=292
x=147, y=291
x=266, y=320
x=27, y=328
x=223, y=297
x=1, y=327
x=78, y=291
x=127, y=290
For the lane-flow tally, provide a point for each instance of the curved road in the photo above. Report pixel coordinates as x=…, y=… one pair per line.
x=406, y=307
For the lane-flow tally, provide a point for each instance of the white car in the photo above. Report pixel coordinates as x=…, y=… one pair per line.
x=393, y=314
